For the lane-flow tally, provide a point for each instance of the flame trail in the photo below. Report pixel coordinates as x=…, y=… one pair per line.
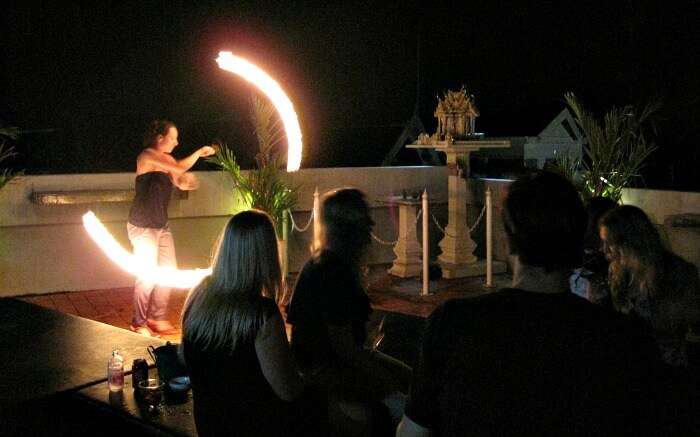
x=166, y=276
x=253, y=74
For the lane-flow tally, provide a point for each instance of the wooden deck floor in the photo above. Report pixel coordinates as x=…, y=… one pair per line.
x=388, y=293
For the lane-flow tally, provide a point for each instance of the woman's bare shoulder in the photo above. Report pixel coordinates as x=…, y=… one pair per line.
x=150, y=160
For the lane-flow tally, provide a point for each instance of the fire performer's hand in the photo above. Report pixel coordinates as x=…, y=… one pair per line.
x=206, y=151
x=187, y=182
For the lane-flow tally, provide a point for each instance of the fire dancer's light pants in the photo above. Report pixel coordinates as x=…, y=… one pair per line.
x=152, y=247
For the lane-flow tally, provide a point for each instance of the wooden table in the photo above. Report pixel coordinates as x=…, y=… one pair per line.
x=46, y=357
x=44, y=352
x=172, y=418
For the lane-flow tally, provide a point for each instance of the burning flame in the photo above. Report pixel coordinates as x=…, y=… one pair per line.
x=166, y=276
x=235, y=64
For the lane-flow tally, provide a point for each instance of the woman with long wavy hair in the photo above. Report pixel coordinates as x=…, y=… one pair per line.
x=329, y=311
x=233, y=337
x=649, y=281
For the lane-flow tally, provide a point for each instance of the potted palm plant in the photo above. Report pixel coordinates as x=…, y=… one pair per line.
x=6, y=174
x=615, y=151
x=262, y=187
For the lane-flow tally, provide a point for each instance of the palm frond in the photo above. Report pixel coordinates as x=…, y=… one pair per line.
x=7, y=175
x=616, y=148
x=263, y=187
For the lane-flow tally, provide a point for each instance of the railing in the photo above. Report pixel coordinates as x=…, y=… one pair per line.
x=425, y=214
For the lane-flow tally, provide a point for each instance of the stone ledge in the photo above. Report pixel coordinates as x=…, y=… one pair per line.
x=683, y=221
x=91, y=196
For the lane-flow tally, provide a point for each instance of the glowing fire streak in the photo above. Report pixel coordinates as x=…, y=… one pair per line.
x=230, y=62
x=166, y=276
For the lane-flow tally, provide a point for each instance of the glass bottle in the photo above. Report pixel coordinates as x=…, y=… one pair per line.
x=115, y=372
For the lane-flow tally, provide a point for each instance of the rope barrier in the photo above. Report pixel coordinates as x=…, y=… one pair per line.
x=294, y=224
x=481, y=215
x=483, y=210
x=391, y=243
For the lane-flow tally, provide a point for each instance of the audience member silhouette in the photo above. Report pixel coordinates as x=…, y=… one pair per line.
x=329, y=311
x=233, y=337
x=534, y=359
x=650, y=281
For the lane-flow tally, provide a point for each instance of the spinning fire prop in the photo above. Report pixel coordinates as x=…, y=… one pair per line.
x=230, y=62
x=167, y=276
x=172, y=277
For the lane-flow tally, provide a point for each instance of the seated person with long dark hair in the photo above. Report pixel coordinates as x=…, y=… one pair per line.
x=650, y=281
x=233, y=337
x=329, y=312
x=533, y=359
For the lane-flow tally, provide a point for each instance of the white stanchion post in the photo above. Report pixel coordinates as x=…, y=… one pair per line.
x=426, y=271
x=285, y=245
x=317, y=219
x=489, y=240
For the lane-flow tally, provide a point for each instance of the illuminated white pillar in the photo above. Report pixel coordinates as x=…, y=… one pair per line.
x=489, y=239
x=285, y=244
x=426, y=242
x=317, y=220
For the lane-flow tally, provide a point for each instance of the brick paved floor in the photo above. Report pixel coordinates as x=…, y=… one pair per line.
x=388, y=293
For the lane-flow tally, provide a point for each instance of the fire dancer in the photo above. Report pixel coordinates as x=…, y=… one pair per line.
x=157, y=171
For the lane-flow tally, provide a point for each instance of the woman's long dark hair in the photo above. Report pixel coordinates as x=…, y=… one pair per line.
x=638, y=272
x=224, y=310
x=636, y=254
x=346, y=224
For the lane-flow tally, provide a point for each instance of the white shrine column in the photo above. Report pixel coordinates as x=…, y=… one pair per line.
x=457, y=259
x=457, y=245
x=407, y=249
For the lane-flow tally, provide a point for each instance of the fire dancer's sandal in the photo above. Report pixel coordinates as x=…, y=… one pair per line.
x=162, y=327
x=143, y=331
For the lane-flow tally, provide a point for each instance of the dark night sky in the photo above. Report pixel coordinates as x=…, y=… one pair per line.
x=84, y=80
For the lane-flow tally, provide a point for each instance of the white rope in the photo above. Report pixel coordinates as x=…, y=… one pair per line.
x=294, y=225
x=481, y=215
x=483, y=210
x=408, y=231
x=440, y=227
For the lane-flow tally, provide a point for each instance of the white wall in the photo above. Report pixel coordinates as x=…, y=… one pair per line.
x=661, y=206
x=45, y=249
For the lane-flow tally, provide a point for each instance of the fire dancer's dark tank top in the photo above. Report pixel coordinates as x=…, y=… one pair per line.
x=150, y=207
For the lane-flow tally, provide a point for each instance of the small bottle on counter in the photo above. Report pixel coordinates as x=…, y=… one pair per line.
x=115, y=372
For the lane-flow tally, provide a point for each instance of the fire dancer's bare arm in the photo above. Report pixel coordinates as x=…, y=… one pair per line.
x=154, y=160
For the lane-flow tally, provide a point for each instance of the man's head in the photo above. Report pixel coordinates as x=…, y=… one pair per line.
x=545, y=221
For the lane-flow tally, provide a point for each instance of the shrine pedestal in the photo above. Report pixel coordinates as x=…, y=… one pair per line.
x=457, y=259
x=408, y=262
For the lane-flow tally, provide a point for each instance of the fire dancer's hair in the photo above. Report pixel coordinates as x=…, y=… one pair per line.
x=346, y=224
x=544, y=220
x=155, y=128
x=222, y=310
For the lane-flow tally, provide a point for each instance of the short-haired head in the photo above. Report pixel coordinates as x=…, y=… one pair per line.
x=346, y=222
x=154, y=129
x=544, y=220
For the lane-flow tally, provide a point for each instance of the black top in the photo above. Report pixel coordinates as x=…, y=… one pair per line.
x=231, y=395
x=327, y=292
x=522, y=363
x=150, y=207
x=672, y=308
